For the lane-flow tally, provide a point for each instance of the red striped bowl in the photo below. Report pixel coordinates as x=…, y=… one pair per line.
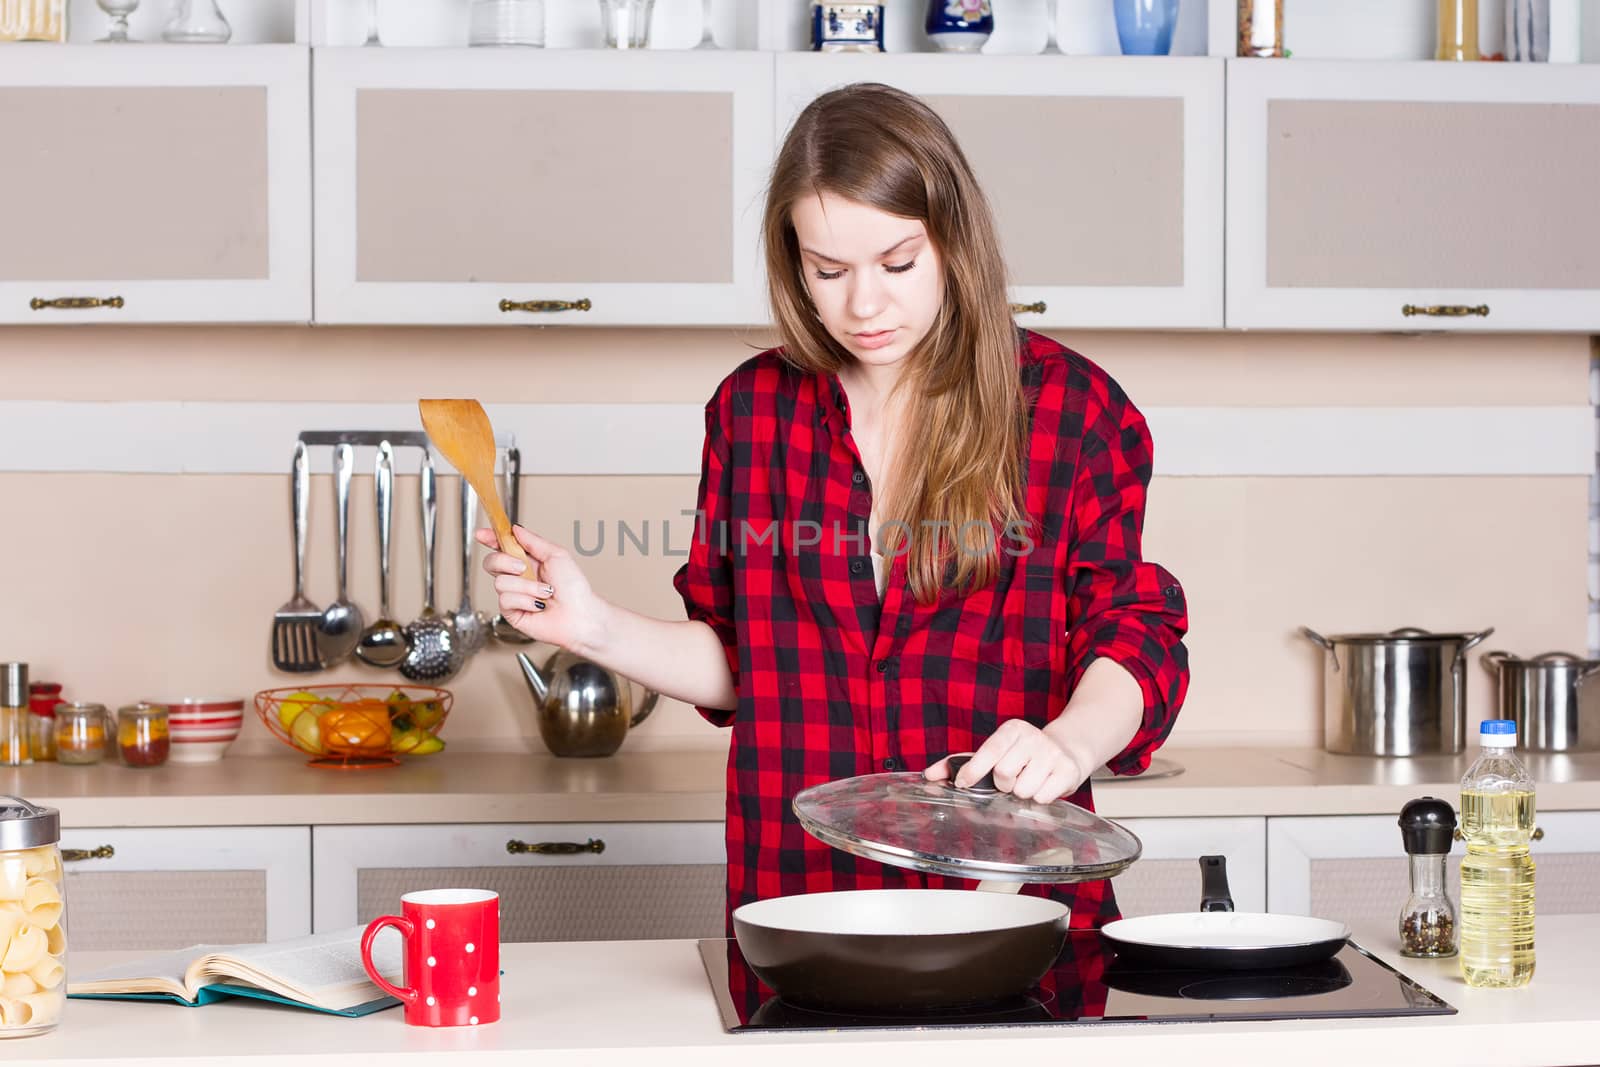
x=202, y=730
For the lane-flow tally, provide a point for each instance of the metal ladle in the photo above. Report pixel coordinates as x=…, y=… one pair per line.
x=383, y=644
x=472, y=626
x=340, y=629
x=435, y=652
x=503, y=630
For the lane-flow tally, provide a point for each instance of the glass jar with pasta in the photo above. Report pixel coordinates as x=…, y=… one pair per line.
x=33, y=907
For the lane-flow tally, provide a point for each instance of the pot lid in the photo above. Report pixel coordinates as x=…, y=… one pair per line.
x=1410, y=635
x=935, y=827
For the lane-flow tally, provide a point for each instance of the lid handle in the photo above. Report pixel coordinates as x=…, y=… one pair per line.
x=982, y=785
x=31, y=808
x=1214, y=892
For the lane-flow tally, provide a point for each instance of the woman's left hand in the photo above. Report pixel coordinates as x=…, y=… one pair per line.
x=1027, y=762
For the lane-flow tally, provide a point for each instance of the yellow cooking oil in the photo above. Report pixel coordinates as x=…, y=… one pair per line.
x=1497, y=888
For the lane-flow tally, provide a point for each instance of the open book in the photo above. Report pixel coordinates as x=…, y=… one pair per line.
x=322, y=972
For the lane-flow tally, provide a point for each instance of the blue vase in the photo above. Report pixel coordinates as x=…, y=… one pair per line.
x=959, y=25
x=1145, y=26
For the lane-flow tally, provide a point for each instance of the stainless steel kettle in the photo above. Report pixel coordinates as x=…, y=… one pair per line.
x=582, y=708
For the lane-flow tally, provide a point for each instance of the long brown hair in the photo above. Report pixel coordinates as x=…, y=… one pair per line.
x=962, y=485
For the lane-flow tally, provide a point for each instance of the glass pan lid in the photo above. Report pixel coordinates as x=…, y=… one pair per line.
x=907, y=821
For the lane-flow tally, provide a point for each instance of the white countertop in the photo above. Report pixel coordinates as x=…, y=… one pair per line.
x=636, y=1002
x=685, y=784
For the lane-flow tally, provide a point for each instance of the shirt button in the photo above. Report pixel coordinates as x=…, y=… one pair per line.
x=1171, y=591
x=858, y=477
x=884, y=665
x=857, y=566
x=891, y=764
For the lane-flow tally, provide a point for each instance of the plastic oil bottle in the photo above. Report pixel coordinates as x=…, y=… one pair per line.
x=1497, y=873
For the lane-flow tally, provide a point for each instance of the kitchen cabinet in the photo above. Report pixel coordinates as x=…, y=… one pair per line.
x=1354, y=869
x=1105, y=175
x=1450, y=196
x=162, y=183
x=472, y=186
x=557, y=881
x=1166, y=877
x=170, y=887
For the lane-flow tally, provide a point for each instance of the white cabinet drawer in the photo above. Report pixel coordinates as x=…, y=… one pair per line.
x=1354, y=868
x=598, y=881
x=604, y=188
x=165, y=182
x=170, y=887
x=1167, y=876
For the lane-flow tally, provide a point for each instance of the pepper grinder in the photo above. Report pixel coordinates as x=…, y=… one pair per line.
x=1428, y=921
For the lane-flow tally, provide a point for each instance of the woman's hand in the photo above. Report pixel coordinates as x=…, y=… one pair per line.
x=554, y=603
x=1027, y=762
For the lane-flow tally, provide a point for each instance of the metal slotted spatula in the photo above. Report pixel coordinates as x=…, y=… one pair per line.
x=294, y=627
x=460, y=430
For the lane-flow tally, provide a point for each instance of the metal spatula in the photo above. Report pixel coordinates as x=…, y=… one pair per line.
x=460, y=430
x=294, y=627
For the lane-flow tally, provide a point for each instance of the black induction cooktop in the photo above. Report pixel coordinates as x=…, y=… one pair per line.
x=1089, y=985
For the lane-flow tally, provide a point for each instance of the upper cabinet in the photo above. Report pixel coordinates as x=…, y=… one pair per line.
x=144, y=187
x=481, y=186
x=1105, y=174
x=1413, y=196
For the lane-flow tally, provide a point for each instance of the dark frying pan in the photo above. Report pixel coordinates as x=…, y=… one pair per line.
x=1218, y=938
x=900, y=950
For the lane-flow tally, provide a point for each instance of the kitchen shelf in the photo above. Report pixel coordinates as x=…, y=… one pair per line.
x=1314, y=29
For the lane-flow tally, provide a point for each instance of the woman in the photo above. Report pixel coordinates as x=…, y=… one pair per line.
x=918, y=530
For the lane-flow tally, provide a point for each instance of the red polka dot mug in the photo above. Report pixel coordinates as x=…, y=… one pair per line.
x=452, y=956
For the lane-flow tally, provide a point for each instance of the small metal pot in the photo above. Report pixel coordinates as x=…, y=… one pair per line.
x=1553, y=698
x=1403, y=693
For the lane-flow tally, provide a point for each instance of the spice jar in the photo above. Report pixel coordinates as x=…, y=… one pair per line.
x=1261, y=28
x=142, y=736
x=33, y=944
x=15, y=729
x=1428, y=920
x=80, y=733
x=42, y=700
x=1458, y=31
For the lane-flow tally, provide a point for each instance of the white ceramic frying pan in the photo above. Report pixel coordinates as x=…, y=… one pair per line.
x=1217, y=937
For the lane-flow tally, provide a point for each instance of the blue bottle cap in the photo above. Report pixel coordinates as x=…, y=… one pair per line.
x=1498, y=726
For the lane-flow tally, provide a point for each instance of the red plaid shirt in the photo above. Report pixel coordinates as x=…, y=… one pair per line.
x=834, y=683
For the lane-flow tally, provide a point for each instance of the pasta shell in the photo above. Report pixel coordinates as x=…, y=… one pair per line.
x=10, y=919
x=56, y=940
x=41, y=903
x=48, y=973
x=26, y=949
x=13, y=876
x=44, y=1009
x=41, y=862
x=15, y=1013
x=18, y=986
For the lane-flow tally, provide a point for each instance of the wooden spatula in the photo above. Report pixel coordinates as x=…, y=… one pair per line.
x=460, y=430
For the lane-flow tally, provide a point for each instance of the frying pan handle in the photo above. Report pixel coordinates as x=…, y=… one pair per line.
x=1214, y=892
x=982, y=785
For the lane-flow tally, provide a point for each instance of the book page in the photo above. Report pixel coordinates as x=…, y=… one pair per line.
x=153, y=974
x=322, y=969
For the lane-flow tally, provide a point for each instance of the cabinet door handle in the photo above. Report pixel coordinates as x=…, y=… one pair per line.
x=74, y=303
x=1453, y=311
x=71, y=855
x=554, y=848
x=1035, y=308
x=581, y=304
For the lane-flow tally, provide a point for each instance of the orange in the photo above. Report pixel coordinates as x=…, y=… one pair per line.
x=359, y=728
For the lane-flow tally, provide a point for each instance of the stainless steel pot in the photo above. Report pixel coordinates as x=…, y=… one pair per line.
x=1554, y=699
x=1403, y=693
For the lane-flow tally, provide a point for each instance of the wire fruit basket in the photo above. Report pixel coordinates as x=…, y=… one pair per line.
x=352, y=727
